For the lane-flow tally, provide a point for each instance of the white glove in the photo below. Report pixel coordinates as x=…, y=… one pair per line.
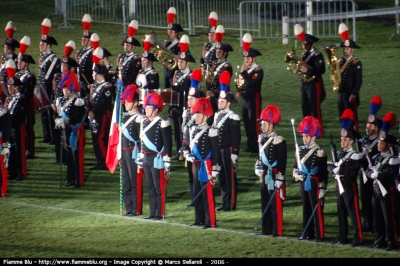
x=190, y=157
x=234, y=158
x=322, y=193
x=278, y=183
x=398, y=187
x=61, y=122
x=374, y=174
x=336, y=170
x=167, y=166
x=215, y=170
x=298, y=175
x=258, y=170
x=6, y=153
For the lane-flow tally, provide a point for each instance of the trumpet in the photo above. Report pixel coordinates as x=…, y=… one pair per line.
x=162, y=54
x=295, y=64
x=334, y=65
x=239, y=80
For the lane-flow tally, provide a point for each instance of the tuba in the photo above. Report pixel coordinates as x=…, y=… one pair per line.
x=334, y=65
x=239, y=80
x=164, y=56
x=295, y=65
x=208, y=76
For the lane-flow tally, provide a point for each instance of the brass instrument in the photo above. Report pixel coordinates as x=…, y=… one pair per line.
x=239, y=80
x=295, y=64
x=208, y=76
x=334, y=65
x=164, y=56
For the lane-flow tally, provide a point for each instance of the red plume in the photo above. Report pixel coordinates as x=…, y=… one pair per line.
x=272, y=114
x=46, y=26
x=132, y=28
x=196, y=74
x=343, y=32
x=24, y=44
x=11, y=68
x=10, y=29
x=390, y=118
x=171, y=14
x=69, y=48
x=225, y=78
x=86, y=22
x=202, y=106
x=246, y=42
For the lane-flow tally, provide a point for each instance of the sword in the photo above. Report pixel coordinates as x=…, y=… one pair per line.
x=381, y=187
x=311, y=217
x=198, y=194
x=266, y=208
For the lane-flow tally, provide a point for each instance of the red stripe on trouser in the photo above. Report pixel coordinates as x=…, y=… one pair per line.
x=139, y=191
x=82, y=143
x=211, y=205
x=393, y=203
x=4, y=177
x=102, y=146
x=279, y=210
x=163, y=188
x=318, y=88
x=258, y=113
x=233, y=192
x=357, y=209
x=23, y=150
x=320, y=213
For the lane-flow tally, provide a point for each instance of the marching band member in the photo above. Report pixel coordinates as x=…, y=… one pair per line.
x=129, y=63
x=71, y=121
x=314, y=178
x=181, y=84
x=270, y=167
x=155, y=155
x=58, y=99
x=345, y=171
x=171, y=44
x=28, y=83
x=49, y=64
x=151, y=74
x=253, y=76
x=312, y=65
x=16, y=103
x=5, y=137
x=384, y=171
x=221, y=64
x=351, y=73
x=369, y=147
x=132, y=186
x=188, y=119
x=227, y=123
x=10, y=45
x=209, y=49
x=202, y=151
x=84, y=57
x=99, y=109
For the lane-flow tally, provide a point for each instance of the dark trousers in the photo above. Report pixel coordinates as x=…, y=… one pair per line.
x=176, y=114
x=251, y=110
x=73, y=166
x=227, y=179
x=30, y=122
x=156, y=186
x=366, y=202
x=384, y=214
x=132, y=191
x=204, y=205
x=17, y=159
x=312, y=95
x=347, y=205
x=190, y=175
x=100, y=139
x=310, y=200
x=272, y=221
x=61, y=153
x=47, y=124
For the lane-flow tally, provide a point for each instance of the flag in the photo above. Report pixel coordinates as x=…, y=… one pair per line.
x=114, y=147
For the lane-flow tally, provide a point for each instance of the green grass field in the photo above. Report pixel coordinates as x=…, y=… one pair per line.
x=41, y=219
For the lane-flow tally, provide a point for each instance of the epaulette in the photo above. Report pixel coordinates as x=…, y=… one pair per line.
x=30, y=76
x=235, y=117
x=165, y=123
x=356, y=156
x=139, y=118
x=79, y=102
x=213, y=132
x=317, y=53
x=108, y=85
x=394, y=161
x=227, y=65
x=136, y=57
x=258, y=68
x=355, y=60
x=153, y=72
x=321, y=153
x=277, y=140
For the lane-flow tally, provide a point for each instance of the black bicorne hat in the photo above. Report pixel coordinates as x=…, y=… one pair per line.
x=150, y=56
x=131, y=40
x=70, y=61
x=350, y=44
x=27, y=58
x=11, y=42
x=175, y=27
x=226, y=47
x=252, y=53
x=100, y=69
x=48, y=39
x=229, y=96
x=186, y=56
x=14, y=81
